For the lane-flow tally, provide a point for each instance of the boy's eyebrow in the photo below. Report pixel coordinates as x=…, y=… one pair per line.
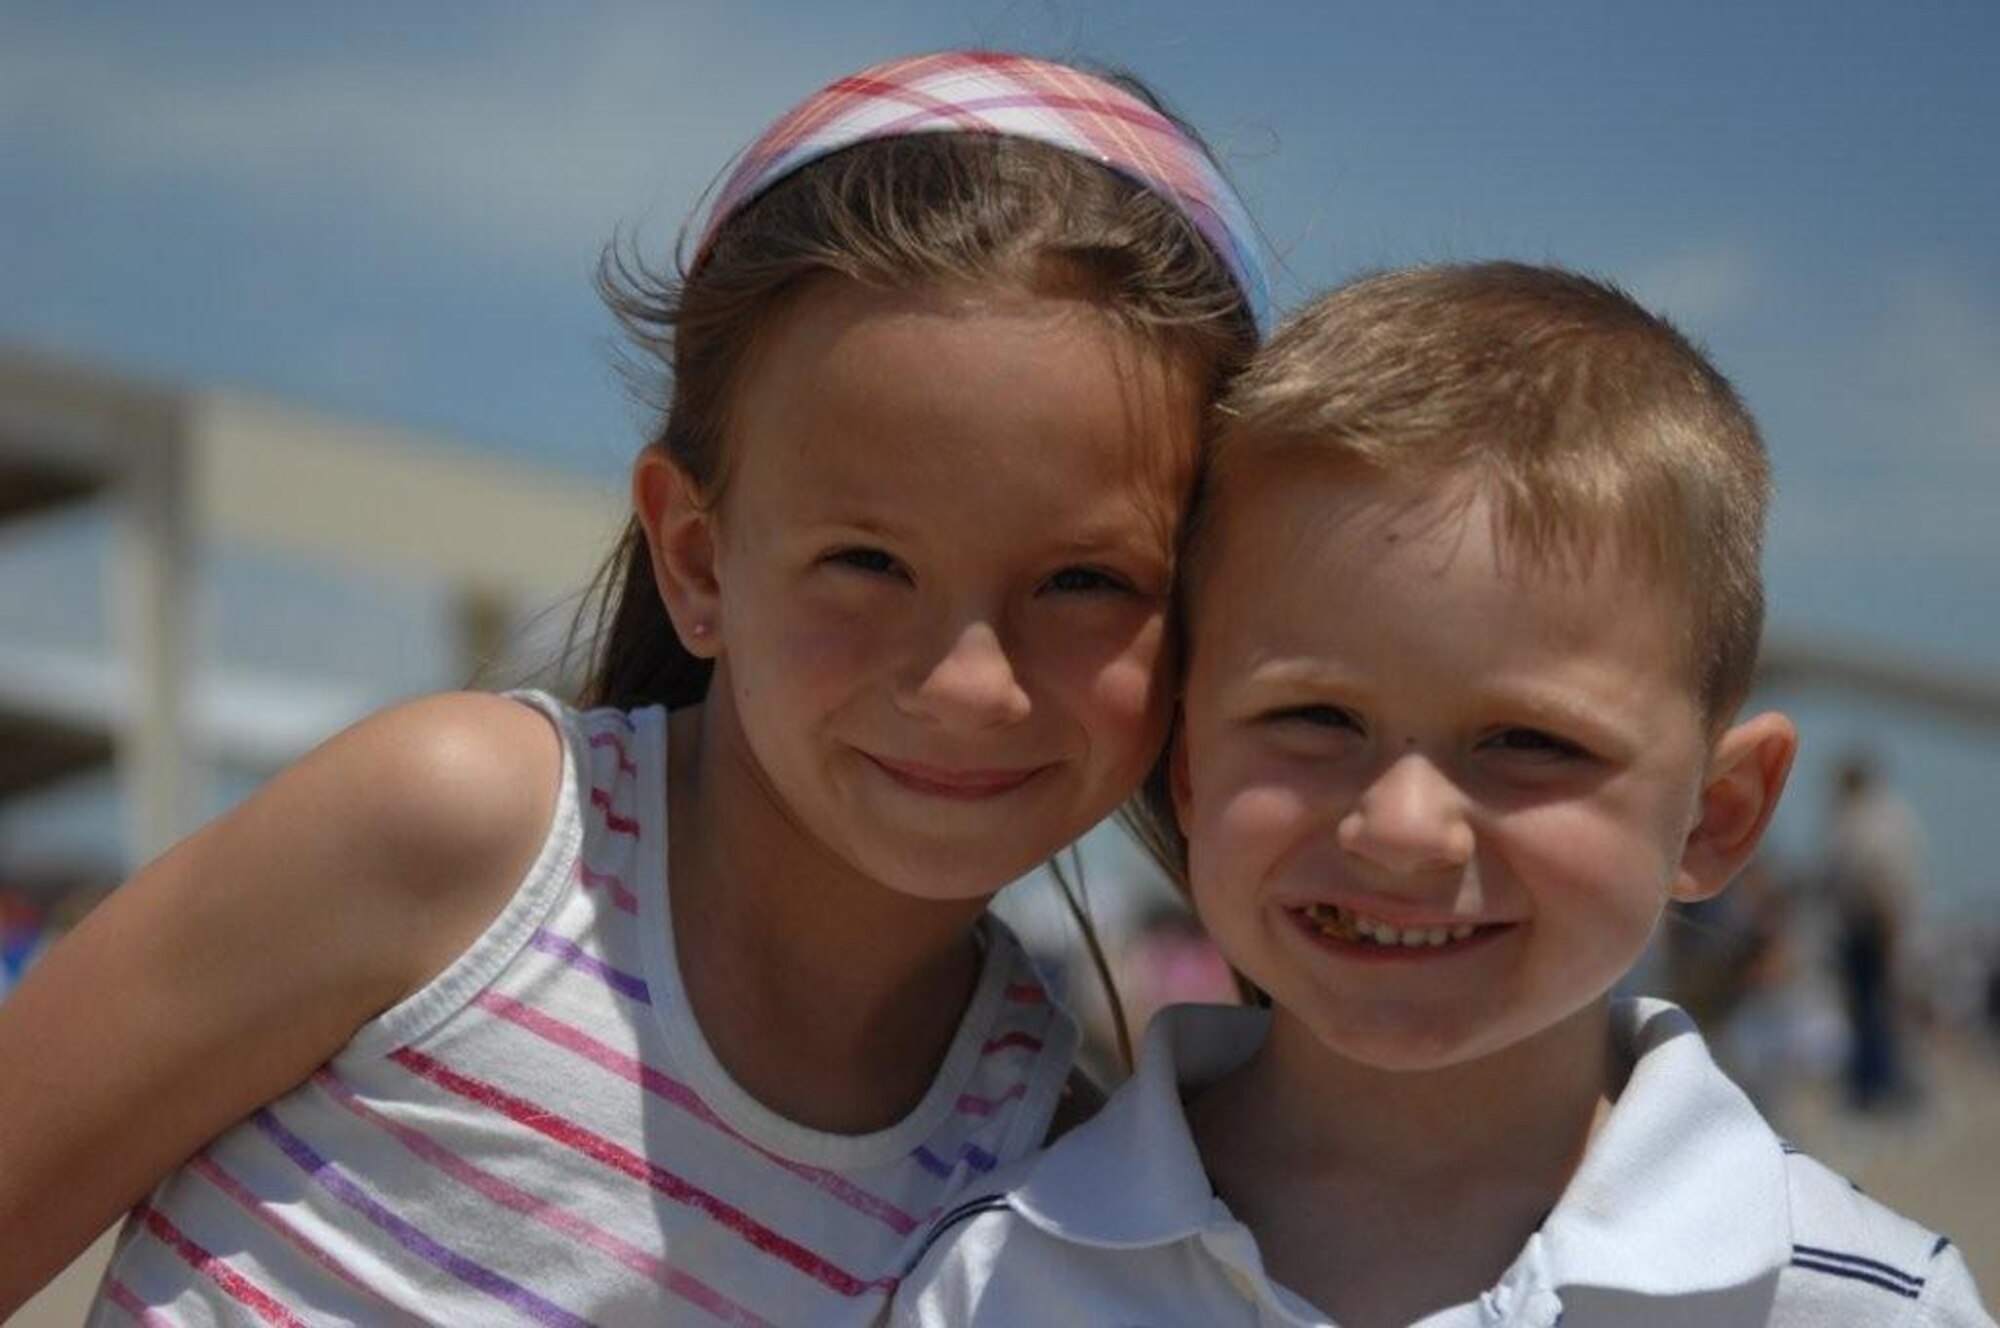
x=1292, y=672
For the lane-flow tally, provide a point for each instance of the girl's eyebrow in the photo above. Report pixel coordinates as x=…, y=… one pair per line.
x=1116, y=537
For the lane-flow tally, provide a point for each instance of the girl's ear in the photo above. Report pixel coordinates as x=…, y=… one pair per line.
x=1746, y=774
x=680, y=531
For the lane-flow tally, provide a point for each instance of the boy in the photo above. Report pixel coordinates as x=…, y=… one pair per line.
x=1473, y=600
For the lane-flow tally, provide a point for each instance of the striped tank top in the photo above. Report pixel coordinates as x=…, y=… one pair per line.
x=542, y=1135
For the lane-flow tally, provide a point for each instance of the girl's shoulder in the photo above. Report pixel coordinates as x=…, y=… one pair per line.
x=448, y=798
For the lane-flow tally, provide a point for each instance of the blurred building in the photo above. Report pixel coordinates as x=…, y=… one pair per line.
x=186, y=471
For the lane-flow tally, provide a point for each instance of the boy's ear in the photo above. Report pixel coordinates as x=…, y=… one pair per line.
x=1746, y=774
x=680, y=532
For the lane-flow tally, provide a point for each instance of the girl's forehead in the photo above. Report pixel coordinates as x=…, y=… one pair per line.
x=863, y=392
x=935, y=356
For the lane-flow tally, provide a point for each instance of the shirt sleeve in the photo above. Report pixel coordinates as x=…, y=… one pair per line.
x=1951, y=1298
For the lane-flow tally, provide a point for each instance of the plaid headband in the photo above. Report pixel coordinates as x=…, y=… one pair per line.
x=984, y=92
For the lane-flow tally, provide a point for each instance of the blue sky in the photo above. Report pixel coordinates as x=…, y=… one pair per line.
x=393, y=211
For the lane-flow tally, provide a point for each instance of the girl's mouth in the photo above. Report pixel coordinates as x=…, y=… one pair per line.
x=963, y=785
x=1333, y=923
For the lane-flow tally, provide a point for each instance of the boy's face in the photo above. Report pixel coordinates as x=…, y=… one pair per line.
x=1436, y=797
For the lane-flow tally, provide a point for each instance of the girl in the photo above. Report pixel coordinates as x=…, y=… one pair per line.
x=691, y=998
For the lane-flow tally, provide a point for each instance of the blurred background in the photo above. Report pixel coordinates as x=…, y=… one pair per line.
x=306, y=404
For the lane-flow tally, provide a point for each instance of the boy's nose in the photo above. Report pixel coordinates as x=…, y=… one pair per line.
x=1409, y=818
x=970, y=684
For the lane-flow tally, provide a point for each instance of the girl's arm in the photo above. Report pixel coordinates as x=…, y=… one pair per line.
x=229, y=969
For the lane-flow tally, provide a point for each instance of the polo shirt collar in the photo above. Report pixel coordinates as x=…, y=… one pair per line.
x=1133, y=1177
x=1682, y=1191
x=1684, y=1188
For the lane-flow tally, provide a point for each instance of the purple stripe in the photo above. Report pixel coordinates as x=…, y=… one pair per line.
x=626, y=984
x=473, y=1274
x=971, y=1155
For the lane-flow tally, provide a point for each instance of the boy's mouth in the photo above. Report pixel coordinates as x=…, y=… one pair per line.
x=1340, y=924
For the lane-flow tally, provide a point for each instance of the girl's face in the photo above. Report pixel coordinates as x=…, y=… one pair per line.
x=943, y=556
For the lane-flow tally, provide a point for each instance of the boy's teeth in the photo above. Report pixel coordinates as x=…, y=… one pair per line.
x=1337, y=922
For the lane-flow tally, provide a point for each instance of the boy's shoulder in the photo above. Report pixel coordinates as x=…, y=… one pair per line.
x=1854, y=1259
x=1688, y=1198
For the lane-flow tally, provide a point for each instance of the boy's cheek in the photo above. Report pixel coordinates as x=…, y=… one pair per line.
x=1257, y=813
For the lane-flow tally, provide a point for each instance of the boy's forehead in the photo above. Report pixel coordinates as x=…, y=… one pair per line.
x=1339, y=518
x=1529, y=536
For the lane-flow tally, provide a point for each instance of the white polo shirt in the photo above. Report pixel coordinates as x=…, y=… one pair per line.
x=1687, y=1210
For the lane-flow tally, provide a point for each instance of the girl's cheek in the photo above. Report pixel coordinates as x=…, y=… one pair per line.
x=829, y=640
x=1134, y=681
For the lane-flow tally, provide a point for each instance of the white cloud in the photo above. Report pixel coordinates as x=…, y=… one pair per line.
x=1939, y=350
x=538, y=143
x=1915, y=436
x=1697, y=288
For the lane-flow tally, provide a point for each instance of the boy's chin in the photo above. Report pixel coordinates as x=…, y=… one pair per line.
x=1417, y=1045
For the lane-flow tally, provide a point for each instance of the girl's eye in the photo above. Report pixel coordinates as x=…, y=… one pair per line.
x=1085, y=580
x=864, y=559
x=1536, y=743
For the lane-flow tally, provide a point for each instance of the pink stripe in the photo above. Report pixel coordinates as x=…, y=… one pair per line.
x=626, y=765
x=239, y=1288
x=126, y=1299
x=1014, y=1039
x=614, y=885
x=619, y=825
x=974, y=1105
x=1027, y=993
x=205, y=1166
x=663, y=1086
x=624, y=1161
x=551, y=1215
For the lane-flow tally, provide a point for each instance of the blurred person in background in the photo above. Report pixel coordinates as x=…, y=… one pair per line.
x=1874, y=875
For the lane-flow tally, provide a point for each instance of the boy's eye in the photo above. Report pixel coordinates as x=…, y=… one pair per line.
x=1317, y=717
x=1085, y=580
x=1535, y=742
x=863, y=559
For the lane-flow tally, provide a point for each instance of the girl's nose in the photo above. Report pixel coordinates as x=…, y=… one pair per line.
x=971, y=684
x=1410, y=818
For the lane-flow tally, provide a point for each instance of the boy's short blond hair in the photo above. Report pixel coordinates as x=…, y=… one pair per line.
x=1593, y=426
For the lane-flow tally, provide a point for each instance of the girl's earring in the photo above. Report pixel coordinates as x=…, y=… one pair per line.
x=700, y=643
